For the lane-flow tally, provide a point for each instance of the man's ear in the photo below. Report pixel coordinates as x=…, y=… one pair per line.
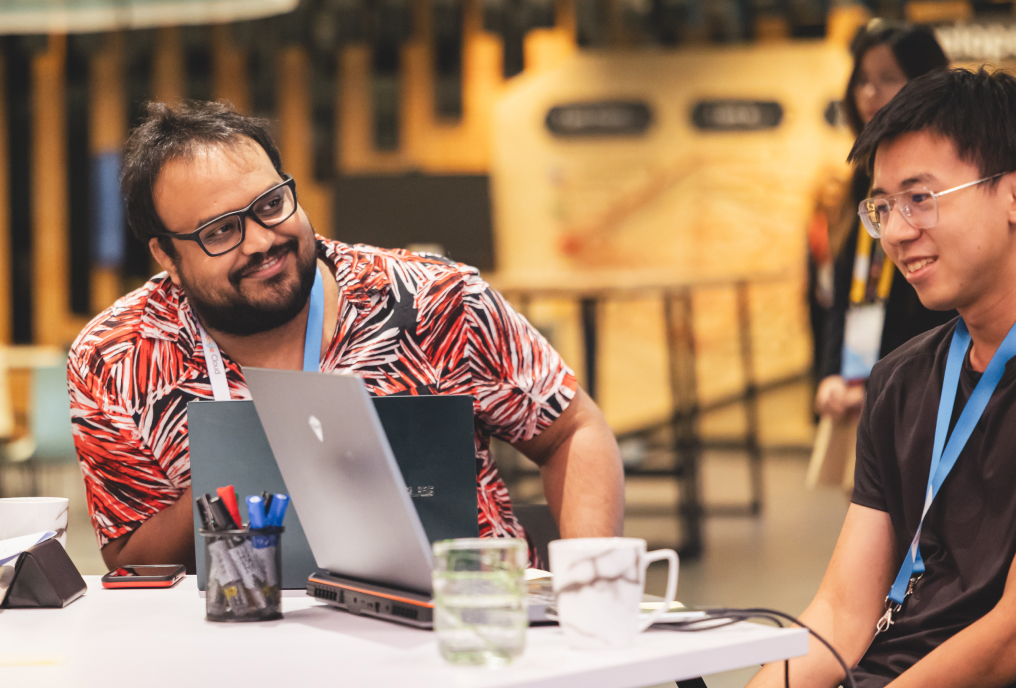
x=1008, y=188
x=163, y=259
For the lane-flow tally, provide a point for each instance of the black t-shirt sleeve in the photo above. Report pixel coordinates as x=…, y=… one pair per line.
x=868, y=489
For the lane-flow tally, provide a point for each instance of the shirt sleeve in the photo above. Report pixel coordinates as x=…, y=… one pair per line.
x=868, y=487
x=520, y=382
x=124, y=484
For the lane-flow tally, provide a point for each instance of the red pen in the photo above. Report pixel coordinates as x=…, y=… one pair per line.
x=228, y=496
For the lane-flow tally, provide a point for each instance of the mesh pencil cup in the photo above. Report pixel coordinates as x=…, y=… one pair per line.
x=243, y=570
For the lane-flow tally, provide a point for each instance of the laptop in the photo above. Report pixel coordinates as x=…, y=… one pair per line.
x=430, y=436
x=373, y=555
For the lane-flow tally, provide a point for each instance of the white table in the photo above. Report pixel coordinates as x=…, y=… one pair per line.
x=160, y=638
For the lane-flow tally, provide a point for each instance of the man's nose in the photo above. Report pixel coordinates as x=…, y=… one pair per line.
x=256, y=239
x=897, y=228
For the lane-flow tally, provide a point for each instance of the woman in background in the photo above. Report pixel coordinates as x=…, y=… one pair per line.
x=874, y=308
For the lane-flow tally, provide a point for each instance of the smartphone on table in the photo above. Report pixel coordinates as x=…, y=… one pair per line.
x=146, y=576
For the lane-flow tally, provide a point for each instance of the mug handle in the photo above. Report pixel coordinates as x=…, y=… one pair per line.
x=670, y=555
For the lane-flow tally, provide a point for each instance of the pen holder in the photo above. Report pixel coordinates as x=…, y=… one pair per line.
x=243, y=570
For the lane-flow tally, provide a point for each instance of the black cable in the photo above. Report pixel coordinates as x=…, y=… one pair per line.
x=731, y=616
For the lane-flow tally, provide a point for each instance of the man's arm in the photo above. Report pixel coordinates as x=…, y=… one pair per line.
x=982, y=655
x=165, y=538
x=581, y=468
x=848, y=603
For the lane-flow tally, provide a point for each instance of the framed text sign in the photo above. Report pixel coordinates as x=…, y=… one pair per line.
x=599, y=118
x=737, y=115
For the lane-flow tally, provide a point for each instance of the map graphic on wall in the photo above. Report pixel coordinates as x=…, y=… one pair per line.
x=712, y=185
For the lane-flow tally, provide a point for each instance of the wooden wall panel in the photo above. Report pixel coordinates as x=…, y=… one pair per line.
x=167, y=66
x=108, y=124
x=295, y=128
x=229, y=70
x=49, y=195
x=6, y=307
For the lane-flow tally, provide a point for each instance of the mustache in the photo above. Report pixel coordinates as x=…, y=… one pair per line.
x=259, y=259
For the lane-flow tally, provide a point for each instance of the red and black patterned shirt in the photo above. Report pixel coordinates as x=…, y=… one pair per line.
x=407, y=323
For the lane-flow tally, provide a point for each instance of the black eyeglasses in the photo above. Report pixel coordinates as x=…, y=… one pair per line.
x=227, y=231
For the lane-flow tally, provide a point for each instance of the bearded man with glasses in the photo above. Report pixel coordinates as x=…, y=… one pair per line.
x=921, y=589
x=205, y=190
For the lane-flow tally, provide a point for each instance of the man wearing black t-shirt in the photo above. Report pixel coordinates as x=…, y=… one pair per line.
x=943, y=203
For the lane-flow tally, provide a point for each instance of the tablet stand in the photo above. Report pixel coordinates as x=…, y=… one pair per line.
x=44, y=576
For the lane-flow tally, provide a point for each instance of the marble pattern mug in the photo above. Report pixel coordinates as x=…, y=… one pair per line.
x=599, y=583
x=27, y=515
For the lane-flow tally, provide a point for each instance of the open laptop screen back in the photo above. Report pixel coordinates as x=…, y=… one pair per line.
x=430, y=436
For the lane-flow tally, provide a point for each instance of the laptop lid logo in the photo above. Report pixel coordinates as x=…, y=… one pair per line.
x=315, y=425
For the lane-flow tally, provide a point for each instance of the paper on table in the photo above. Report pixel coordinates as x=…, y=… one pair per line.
x=12, y=547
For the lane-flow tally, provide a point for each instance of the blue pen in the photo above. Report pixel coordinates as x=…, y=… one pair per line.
x=277, y=511
x=256, y=512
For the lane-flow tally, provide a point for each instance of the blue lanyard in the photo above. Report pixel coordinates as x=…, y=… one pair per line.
x=944, y=456
x=315, y=326
x=311, y=343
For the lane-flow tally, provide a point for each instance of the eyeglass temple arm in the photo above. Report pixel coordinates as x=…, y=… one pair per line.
x=969, y=184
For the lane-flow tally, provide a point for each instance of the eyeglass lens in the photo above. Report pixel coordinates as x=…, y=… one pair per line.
x=918, y=207
x=273, y=208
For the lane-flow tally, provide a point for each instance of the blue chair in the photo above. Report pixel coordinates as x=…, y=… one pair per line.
x=50, y=441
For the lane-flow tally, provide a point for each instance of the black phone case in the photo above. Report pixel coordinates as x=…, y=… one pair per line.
x=44, y=576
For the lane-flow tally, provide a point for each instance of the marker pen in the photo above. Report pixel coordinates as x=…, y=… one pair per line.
x=277, y=512
x=223, y=521
x=228, y=496
x=264, y=545
x=256, y=512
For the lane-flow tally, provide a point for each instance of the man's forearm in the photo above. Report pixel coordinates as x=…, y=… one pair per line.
x=584, y=484
x=982, y=655
x=817, y=669
x=165, y=538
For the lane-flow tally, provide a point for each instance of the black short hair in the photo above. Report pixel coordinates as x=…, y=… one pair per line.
x=976, y=110
x=914, y=47
x=167, y=133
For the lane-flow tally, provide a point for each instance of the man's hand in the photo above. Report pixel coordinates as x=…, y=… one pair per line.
x=835, y=397
x=165, y=538
x=583, y=479
x=848, y=603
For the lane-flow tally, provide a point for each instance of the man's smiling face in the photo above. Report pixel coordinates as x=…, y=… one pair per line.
x=959, y=261
x=263, y=283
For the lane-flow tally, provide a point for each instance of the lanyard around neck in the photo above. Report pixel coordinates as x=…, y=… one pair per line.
x=311, y=344
x=944, y=455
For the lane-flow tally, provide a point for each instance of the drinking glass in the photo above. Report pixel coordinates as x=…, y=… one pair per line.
x=480, y=613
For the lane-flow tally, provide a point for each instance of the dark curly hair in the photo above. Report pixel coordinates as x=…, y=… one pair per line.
x=167, y=133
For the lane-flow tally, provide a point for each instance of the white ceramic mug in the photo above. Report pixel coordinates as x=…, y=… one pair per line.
x=599, y=583
x=27, y=515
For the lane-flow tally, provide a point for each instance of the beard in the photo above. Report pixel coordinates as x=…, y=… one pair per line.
x=278, y=301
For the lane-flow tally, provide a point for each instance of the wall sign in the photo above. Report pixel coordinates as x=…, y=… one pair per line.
x=600, y=118
x=737, y=115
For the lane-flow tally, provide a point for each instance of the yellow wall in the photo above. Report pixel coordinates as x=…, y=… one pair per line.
x=673, y=206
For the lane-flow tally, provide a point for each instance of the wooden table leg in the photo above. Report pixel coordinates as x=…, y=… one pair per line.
x=751, y=413
x=686, y=442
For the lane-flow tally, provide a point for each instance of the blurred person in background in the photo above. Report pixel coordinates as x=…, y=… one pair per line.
x=873, y=308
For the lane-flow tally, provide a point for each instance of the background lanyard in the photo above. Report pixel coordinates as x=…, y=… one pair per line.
x=944, y=456
x=311, y=345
